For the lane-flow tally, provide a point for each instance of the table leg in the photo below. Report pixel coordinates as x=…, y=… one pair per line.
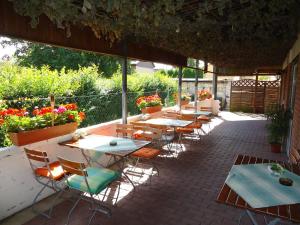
x=89, y=159
x=121, y=169
x=274, y=222
x=251, y=216
x=253, y=220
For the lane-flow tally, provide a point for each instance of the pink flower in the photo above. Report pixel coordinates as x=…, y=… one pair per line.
x=61, y=109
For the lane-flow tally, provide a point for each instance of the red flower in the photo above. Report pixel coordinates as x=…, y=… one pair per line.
x=1, y=121
x=81, y=115
x=148, y=99
x=139, y=100
x=71, y=117
x=71, y=106
x=45, y=110
x=11, y=111
x=36, y=112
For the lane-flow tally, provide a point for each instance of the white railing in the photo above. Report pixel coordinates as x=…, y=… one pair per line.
x=18, y=186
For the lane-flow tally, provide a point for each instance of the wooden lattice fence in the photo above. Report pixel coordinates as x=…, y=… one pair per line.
x=254, y=96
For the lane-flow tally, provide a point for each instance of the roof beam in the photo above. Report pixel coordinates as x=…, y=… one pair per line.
x=16, y=26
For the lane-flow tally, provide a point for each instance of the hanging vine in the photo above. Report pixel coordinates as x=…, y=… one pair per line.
x=231, y=33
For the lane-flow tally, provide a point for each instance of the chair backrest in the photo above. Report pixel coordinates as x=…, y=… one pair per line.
x=205, y=108
x=126, y=130
x=204, y=119
x=170, y=115
x=190, y=117
x=36, y=155
x=163, y=128
x=189, y=107
x=72, y=167
x=35, y=158
x=147, y=132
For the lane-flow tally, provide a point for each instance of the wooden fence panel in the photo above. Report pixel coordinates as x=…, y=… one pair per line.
x=249, y=96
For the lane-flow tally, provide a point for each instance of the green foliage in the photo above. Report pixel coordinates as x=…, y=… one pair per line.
x=279, y=123
x=99, y=97
x=40, y=55
x=186, y=73
x=4, y=140
x=22, y=82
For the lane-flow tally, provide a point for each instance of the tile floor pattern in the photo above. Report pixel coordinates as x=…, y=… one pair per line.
x=186, y=190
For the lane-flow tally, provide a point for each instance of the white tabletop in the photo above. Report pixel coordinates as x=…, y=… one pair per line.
x=198, y=113
x=101, y=143
x=167, y=122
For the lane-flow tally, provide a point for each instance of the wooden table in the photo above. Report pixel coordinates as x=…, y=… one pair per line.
x=100, y=143
x=166, y=122
x=198, y=113
x=228, y=196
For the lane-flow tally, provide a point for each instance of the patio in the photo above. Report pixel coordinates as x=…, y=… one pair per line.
x=186, y=191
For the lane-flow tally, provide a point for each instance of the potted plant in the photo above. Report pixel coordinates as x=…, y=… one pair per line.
x=149, y=104
x=185, y=99
x=278, y=127
x=204, y=94
x=26, y=127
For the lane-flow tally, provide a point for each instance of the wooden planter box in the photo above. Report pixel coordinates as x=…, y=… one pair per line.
x=152, y=109
x=28, y=137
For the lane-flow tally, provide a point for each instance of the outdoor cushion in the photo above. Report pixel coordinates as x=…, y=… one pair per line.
x=185, y=130
x=204, y=118
x=195, y=125
x=98, y=179
x=56, y=170
x=147, y=153
x=140, y=135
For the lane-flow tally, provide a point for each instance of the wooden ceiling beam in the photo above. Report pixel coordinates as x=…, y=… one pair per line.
x=16, y=26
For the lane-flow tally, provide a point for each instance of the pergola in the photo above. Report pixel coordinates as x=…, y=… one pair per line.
x=238, y=37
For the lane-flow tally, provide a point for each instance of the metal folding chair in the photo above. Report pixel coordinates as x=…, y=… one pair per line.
x=88, y=181
x=167, y=136
x=192, y=131
x=170, y=115
x=124, y=130
x=143, y=132
x=47, y=174
x=205, y=120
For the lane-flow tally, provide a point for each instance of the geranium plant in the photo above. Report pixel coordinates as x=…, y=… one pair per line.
x=148, y=101
x=204, y=94
x=16, y=120
x=184, y=97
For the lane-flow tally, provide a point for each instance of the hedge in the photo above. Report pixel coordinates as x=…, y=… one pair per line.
x=97, y=96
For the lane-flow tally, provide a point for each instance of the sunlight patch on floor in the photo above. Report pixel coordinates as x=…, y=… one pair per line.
x=239, y=116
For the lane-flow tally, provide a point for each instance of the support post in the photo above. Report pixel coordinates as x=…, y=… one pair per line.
x=196, y=86
x=255, y=91
x=124, y=90
x=215, y=83
x=179, y=86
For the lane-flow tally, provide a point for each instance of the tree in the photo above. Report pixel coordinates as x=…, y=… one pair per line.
x=37, y=55
x=186, y=73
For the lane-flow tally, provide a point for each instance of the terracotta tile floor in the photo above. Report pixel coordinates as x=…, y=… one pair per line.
x=185, y=191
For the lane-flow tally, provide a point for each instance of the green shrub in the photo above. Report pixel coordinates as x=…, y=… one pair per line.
x=100, y=98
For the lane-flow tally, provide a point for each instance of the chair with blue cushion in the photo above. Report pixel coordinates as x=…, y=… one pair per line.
x=89, y=181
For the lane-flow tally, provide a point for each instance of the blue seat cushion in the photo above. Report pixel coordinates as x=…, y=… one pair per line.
x=98, y=179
